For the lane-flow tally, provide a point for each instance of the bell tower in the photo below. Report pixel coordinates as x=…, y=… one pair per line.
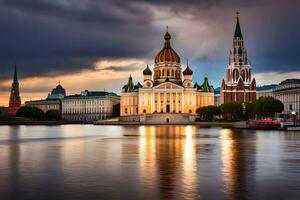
x=15, y=99
x=238, y=84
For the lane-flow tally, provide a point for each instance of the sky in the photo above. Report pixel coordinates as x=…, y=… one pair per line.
x=97, y=44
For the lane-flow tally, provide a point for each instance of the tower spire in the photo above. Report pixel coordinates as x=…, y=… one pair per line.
x=15, y=74
x=238, y=32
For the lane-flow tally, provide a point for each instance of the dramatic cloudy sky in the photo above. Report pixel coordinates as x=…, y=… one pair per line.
x=96, y=44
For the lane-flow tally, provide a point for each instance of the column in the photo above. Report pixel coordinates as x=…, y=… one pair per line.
x=158, y=102
x=182, y=102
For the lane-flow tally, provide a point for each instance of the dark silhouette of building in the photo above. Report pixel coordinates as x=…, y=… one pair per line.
x=15, y=99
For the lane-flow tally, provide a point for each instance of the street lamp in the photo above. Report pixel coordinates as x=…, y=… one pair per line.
x=294, y=116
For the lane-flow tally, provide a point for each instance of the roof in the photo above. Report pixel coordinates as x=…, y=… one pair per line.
x=205, y=86
x=238, y=32
x=167, y=54
x=290, y=81
x=42, y=101
x=138, y=85
x=91, y=94
x=147, y=71
x=198, y=87
x=266, y=87
x=15, y=74
x=187, y=71
x=129, y=87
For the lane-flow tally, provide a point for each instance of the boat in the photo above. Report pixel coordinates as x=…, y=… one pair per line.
x=265, y=124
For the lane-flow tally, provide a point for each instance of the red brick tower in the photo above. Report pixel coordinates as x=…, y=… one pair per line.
x=15, y=99
x=238, y=86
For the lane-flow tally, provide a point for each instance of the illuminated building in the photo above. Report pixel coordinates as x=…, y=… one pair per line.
x=167, y=94
x=89, y=106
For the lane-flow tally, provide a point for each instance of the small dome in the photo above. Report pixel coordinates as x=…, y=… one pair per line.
x=147, y=71
x=59, y=90
x=167, y=54
x=187, y=71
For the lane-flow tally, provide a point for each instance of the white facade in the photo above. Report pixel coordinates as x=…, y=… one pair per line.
x=88, y=108
x=288, y=92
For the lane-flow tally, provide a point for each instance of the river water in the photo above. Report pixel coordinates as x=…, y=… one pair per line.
x=147, y=162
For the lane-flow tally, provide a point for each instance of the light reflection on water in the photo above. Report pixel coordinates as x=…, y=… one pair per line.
x=147, y=162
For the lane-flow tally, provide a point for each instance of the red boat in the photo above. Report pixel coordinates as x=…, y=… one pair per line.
x=265, y=124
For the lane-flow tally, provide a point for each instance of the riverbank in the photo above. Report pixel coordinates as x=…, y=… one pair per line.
x=12, y=120
x=203, y=124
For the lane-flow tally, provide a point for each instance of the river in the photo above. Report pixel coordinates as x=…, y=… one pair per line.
x=147, y=162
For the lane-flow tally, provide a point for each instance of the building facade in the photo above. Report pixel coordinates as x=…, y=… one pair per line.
x=239, y=85
x=14, y=99
x=288, y=92
x=45, y=104
x=52, y=102
x=167, y=90
x=89, y=106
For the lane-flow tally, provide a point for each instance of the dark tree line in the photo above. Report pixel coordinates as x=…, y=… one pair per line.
x=262, y=108
x=38, y=114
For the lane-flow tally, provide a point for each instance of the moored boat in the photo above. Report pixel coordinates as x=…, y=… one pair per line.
x=265, y=124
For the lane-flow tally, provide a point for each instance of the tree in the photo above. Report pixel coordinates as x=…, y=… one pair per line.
x=249, y=112
x=268, y=106
x=30, y=112
x=53, y=115
x=232, y=110
x=209, y=112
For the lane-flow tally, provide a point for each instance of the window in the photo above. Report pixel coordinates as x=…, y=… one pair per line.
x=144, y=111
x=126, y=110
x=137, y=110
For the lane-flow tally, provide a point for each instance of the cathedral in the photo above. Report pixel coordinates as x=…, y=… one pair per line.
x=167, y=93
x=14, y=99
x=239, y=85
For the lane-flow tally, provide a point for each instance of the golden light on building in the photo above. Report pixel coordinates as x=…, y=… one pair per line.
x=167, y=93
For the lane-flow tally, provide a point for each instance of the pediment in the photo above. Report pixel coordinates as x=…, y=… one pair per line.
x=168, y=85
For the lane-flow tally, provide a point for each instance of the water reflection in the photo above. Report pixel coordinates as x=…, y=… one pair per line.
x=238, y=153
x=155, y=162
x=14, y=165
x=169, y=153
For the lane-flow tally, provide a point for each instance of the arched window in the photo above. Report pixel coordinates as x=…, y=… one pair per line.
x=144, y=111
x=137, y=110
x=126, y=110
x=235, y=74
x=246, y=75
x=243, y=74
x=168, y=73
x=172, y=72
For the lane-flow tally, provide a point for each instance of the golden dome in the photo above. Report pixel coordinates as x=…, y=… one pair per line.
x=167, y=54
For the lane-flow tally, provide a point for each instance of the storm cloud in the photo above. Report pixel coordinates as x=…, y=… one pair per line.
x=55, y=37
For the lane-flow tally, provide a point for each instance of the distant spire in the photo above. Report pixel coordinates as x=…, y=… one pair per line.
x=15, y=74
x=238, y=32
x=187, y=62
